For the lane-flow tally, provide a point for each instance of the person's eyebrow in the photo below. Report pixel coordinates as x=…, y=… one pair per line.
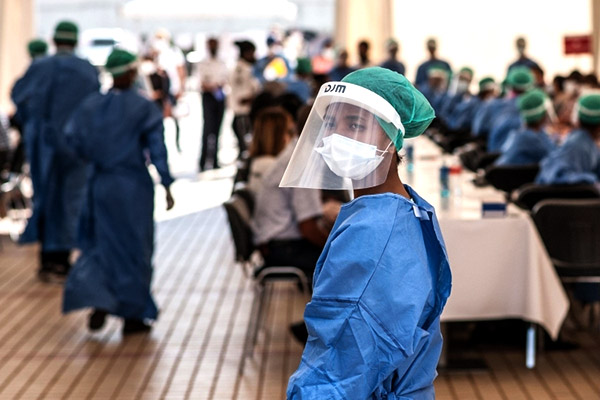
x=355, y=118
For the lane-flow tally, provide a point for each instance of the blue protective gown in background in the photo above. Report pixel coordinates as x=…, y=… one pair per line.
x=56, y=86
x=576, y=161
x=486, y=116
x=525, y=146
x=116, y=133
x=502, y=127
x=461, y=118
x=374, y=318
x=422, y=71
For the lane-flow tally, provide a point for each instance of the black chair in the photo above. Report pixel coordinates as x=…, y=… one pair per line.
x=570, y=230
x=510, y=177
x=239, y=214
x=527, y=196
x=473, y=157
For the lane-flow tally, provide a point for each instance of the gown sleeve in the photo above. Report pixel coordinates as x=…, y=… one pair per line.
x=564, y=167
x=362, y=326
x=154, y=138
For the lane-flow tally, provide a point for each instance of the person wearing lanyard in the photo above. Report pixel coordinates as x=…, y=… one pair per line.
x=383, y=278
x=118, y=133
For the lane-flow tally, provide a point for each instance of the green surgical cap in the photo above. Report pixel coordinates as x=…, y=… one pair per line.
x=520, y=78
x=119, y=62
x=66, y=31
x=589, y=109
x=466, y=70
x=390, y=43
x=37, y=47
x=532, y=105
x=415, y=111
x=304, y=66
x=438, y=70
x=487, y=83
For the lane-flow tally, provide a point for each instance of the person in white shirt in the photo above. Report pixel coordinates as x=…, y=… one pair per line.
x=213, y=77
x=244, y=87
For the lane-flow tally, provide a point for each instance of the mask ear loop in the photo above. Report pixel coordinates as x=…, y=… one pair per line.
x=386, y=149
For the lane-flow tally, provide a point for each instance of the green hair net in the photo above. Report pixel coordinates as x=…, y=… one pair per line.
x=466, y=70
x=532, y=105
x=415, y=111
x=304, y=66
x=487, y=83
x=37, y=47
x=520, y=78
x=66, y=31
x=589, y=109
x=119, y=62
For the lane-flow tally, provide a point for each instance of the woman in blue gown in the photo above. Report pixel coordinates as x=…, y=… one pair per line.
x=118, y=134
x=383, y=278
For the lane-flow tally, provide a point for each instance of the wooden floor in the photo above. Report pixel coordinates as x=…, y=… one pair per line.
x=195, y=347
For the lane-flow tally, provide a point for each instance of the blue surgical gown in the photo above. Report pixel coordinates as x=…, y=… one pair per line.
x=576, y=161
x=59, y=84
x=525, y=146
x=486, y=116
x=374, y=318
x=118, y=133
x=502, y=127
x=422, y=71
x=461, y=117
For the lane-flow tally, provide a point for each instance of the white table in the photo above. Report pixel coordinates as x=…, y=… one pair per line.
x=500, y=267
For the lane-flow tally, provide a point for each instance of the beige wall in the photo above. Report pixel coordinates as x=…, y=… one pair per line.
x=356, y=20
x=16, y=29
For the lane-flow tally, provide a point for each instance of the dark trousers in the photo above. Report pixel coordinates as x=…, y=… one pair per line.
x=295, y=253
x=241, y=127
x=213, y=110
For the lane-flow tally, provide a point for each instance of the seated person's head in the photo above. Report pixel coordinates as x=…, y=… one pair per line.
x=273, y=129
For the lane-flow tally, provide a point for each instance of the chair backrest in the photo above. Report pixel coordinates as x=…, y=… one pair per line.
x=510, y=177
x=570, y=229
x=241, y=189
x=530, y=194
x=239, y=215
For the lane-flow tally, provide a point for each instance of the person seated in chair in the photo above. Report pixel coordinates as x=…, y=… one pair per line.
x=529, y=144
x=291, y=225
x=578, y=159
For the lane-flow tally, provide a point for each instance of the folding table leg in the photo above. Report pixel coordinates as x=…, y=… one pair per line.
x=530, y=346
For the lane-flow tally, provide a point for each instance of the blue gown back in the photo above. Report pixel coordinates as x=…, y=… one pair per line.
x=54, y=87
x=118, y=134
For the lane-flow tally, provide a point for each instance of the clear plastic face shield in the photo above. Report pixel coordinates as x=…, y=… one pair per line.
x=347, y=142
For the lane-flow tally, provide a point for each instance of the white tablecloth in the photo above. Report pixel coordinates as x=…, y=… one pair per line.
x=500, y=267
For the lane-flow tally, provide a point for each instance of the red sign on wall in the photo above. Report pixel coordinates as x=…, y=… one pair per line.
x=581, y=44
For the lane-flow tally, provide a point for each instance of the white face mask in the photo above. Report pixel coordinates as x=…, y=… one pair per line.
x=350, y=158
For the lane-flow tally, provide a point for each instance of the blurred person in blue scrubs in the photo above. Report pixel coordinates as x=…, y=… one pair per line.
x=392, y=63
x=577, y=160
x=436, y=87
x=422, y=71
x=461, y=118
x=523, y=60
x=383, y=278
x=530, y=143
x=20, y=95
x=118, y=133
x=502, y=114
x=341, y=68
x=458, y=91
x=58, y=85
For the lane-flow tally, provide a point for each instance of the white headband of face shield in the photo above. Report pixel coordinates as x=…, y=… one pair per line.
x=360, y=97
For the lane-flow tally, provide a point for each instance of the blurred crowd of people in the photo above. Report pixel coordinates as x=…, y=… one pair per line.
x=62, y=116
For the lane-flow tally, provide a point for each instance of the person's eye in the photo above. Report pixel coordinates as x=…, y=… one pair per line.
x=357, y=127
x=329, y=124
